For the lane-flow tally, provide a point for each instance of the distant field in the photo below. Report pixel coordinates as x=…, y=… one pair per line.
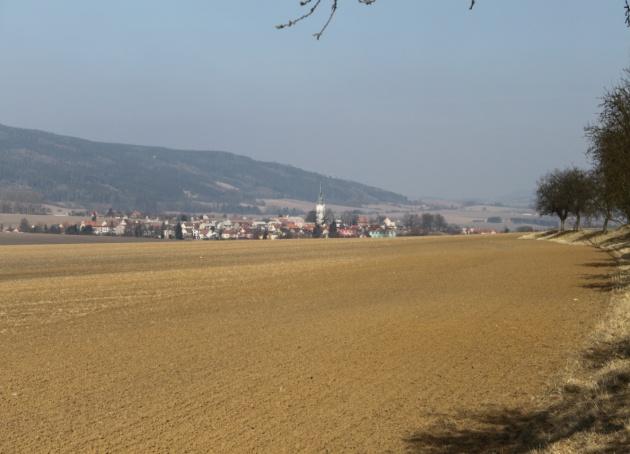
x=9, y=219
x=348, y=345
x=47, y=238
x=472, y=216
x=14, y=219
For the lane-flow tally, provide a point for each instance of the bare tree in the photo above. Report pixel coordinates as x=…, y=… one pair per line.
x=582, y=192
x=553, y=195
x=349, y=218
x=25, y=227
x=603, y=199
x=565, y=192
x=312, y=6
x=610, y=145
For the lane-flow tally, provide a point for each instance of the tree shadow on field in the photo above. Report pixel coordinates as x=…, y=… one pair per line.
x=592, y=413
x=619, y=241
x=603, y=264
x=599, y=409
x=554, y=234
x=587, y=236
x=606, y=260
x=605, y=282
x=597, y=357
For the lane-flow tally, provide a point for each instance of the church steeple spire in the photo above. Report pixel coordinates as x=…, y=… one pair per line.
x=320, y=208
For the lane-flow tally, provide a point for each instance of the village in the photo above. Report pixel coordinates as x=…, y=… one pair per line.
x=318, y=223
x=238, y=228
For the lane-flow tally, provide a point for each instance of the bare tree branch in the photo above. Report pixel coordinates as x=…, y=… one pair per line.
x=333, y=10
x=291, y=23
x=334, y=5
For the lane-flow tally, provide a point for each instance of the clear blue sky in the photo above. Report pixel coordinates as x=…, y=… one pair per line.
x=418, y=96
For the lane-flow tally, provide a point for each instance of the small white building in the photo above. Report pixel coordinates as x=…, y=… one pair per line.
x=120, y=228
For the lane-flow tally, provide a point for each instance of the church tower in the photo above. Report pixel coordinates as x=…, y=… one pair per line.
x=320, y=208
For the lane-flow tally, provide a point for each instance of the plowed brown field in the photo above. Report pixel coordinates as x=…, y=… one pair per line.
x=336, y=345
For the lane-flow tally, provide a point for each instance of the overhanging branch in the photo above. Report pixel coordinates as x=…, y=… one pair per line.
x=314, y=6
x=334, y=6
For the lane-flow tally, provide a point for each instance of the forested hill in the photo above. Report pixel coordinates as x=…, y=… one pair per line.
x=71, y=170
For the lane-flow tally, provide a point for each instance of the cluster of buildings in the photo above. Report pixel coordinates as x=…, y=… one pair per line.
x=228, y=228
x=237, y=228
x=319, y=224
x=275, y=228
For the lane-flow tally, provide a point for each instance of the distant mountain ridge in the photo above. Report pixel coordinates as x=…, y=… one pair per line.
x=66, y=169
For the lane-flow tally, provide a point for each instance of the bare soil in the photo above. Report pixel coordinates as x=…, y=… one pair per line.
x=338, y=345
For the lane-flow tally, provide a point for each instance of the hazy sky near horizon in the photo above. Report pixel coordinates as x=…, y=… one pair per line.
x=422, y=97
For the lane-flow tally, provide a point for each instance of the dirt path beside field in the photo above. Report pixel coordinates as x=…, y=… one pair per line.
x=285, y=346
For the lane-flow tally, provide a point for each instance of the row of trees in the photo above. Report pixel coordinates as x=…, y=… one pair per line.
x=25, y=226
x=22, y=208
x=424, y=224
x=566, y=192
x=132, y=229
x=602, y=192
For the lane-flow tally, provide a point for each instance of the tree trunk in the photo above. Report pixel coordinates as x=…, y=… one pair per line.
x=561, y=224
x=576, y=227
